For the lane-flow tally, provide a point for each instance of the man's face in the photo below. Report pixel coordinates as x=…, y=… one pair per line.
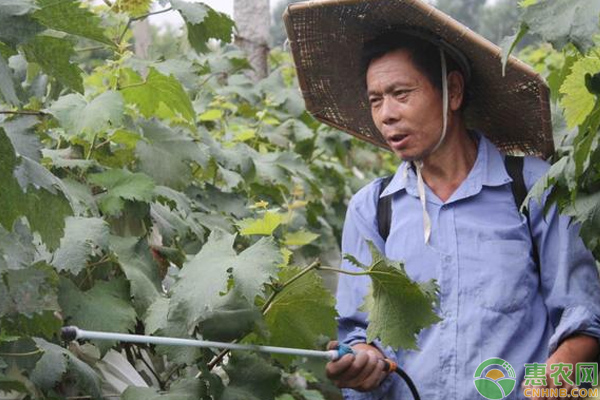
x=405, y=106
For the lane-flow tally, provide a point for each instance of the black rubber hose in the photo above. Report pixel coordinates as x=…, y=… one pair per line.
x=409, y=383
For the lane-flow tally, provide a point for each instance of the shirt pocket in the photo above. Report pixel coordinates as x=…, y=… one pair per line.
x=505, y=275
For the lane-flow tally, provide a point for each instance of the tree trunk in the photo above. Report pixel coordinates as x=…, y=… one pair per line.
x=142, y=38
x=252, y=18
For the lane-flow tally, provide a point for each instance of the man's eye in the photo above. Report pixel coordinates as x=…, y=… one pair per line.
x=401, y=93
x=374, y=100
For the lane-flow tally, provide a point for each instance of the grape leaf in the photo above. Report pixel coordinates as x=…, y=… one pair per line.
x=586, y=210
x=105, y=307
x=564, y=21
x=18, y=29
x=204, y=23
x=299, y=238
x=295, y=130
x=7, y=85
x=82, y=199
x=263, y=226
x=8, y=384
x=122, y=185
x=193, y=13
x=156, y=316
x=231, y=318
x=50, y=367
x=69, y=16
x=23, y=137
x=16, y=248
x=251, y=377
x=53, y=56
x=398, y=307
x=509, y=43
x=156, y=90
x=185, y=389
x=577, y=101
x=17, y=7
x=175, y=148
x=84, y=237
x=211, y=115
x=586, y=141
x=276, y=168
x=86, y=378
x=140, y=268
x=33, y=204
x=204, y=280
x=301, y=312
x=77, y=116
x=135, y=8
x=69, y=157
x=28, y=291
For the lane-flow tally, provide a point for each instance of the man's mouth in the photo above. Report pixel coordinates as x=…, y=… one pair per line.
x=396, y=138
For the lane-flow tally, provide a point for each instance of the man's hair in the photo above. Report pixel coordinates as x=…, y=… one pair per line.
x=424, y=54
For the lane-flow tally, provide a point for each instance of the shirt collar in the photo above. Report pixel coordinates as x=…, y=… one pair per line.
x=488, y=170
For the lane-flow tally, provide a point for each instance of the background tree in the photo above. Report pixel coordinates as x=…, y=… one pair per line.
x=466, y=11
x=253, y=19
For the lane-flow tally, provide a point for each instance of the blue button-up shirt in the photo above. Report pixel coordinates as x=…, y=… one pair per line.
x=493, y=300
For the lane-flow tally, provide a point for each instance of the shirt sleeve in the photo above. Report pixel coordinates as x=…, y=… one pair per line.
x=359, y=226
x=569, y=276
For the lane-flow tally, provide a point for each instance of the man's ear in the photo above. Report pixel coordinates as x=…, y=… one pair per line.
x=456, y=90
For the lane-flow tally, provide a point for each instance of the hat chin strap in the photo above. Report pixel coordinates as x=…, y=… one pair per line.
x=419, y=163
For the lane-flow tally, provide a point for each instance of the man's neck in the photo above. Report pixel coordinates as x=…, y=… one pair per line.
x=445, y=169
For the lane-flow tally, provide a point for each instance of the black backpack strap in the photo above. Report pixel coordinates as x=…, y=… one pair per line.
x=384, y=209
x=514, y=167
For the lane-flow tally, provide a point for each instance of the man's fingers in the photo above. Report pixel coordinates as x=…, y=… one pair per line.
x=367, y=369
x=335, y=369
x=332, y=345
x=354, y=369
x=375, y=378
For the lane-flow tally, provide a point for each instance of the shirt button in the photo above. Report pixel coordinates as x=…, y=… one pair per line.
x=448, y=259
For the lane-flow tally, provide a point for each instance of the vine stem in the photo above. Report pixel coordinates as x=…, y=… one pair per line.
x=28, y=354
x=315, y=265
x=151, y=368
x=133, y=19
x=23, y=112
x=92, y=48
x=343, y=271
x=265, y=308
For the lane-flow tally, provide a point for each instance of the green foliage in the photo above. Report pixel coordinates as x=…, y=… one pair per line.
x=203, y=23
x=30, y=201
x=398, y=307
x=84, y=237
x=573, y=181
x=78, y=116
x=72, y=17
x=301, y=313
x=154, y=91
x=169, y=196
x=251, y=378
x=564, y=21
x=53, y=56
x=121, y=185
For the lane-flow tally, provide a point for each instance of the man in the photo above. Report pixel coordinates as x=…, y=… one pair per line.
x=454, y=214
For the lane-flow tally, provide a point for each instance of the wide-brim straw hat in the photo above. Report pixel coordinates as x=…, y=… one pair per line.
x=327, y=37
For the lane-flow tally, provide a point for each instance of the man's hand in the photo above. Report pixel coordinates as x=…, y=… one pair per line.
x=362, y=371
x=574, y=349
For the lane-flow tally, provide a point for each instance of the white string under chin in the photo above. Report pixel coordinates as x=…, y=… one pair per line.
x=419, y=163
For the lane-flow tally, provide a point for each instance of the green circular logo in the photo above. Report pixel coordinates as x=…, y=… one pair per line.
x=495, y=378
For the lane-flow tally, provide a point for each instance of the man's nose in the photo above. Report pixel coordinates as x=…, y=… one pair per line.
x=389, y=111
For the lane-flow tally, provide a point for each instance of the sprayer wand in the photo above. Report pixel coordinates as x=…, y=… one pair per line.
x=70, y=333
